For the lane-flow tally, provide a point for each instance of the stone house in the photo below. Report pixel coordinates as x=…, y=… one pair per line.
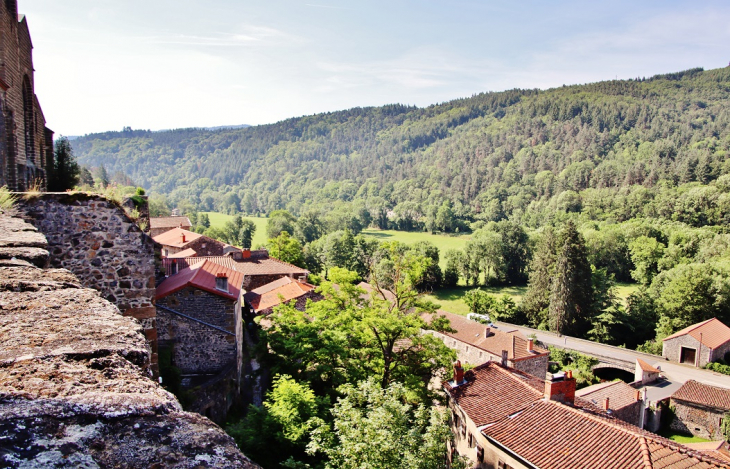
x=257, y=267
x=159, y=225
x=26, y=144
x=644, y=373
x=502, y=418
x=618, y=398
x=180, y=243
x=476, y=343
x=698, y=344
x=699, y=409
x=199, y=323
x=262, y=300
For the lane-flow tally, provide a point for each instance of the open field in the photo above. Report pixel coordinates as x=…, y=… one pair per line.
x=451, y=299
x=443, y=242
x=220, y=219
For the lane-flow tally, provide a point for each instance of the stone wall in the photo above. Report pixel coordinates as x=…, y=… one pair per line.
x=197, y=348
x=671, y=349
x=630, y=413
x=93, y=238
x=536, y=366
x=701, y=421
x=74, y=377
x=299, y=303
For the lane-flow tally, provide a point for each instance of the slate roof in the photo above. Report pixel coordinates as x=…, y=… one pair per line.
x=251, y=266
x=647, y=367
x=270, y=295
x=169, y=222
x=203, y=276
x=619, y=394
x=492, y=392
x=551, y=435
x=711, y=333
x=703, y=394
x=473, y=333
x=174, y=237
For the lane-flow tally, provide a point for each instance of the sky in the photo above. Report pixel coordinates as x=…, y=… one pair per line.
x=161, y=64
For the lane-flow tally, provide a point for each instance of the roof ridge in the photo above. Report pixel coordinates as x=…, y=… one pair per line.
x=510, y=372
x=645, y=453
x=688, y=329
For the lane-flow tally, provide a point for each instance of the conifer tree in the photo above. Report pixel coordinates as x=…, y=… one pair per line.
x=571, y=290
x=65, y=174
x=537, y=298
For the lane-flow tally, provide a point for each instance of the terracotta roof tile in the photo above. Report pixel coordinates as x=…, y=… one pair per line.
x=492, y=392
x=169, y=222
x=174, y=238
x=270, y=295
x=619, y=394
x=473, y=333
x=189, y=252
x=252, y=266
x=647, y=367
x=202, y=275
x=716, y=449
x=711, y=333
x=703, y=394
x=551, y=435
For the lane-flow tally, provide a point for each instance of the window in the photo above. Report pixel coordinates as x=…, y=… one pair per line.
x=480, y=454
x=504, y=465
x=221, y=283
x=471, y=440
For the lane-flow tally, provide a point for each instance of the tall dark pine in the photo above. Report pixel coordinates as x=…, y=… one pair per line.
x=571, y=292
x=65, y=174
x=542, y=268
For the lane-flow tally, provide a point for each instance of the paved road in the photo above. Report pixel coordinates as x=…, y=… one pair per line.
x=675, y=374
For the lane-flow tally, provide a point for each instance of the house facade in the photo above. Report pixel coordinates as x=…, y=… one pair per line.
x=698, y=344
x=699, y=409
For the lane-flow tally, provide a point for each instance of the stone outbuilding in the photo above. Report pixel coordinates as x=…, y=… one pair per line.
x=617, y=398
x=181, y=243
x=698, y=344
x=699, y=409
x=644, y=373
x=159, y=225
x=262, y=300
x=476, y=343
x=199, y=326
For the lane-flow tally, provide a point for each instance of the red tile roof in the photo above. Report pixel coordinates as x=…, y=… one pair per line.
x=716, y=449
x=203, y=276
x=174, y=238
x=169, y=222
x=647, y=367
x=711, y=333
x=189, y=252
x=473, y=333
x=492, y=392
x=252, y=266
x=703, y=394
x=274, y=293
x=551, y=435
x=619, y=394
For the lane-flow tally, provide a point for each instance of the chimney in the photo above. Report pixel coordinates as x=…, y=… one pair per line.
x=487, y=331
x=182, y=237
x=221, y=281
x=246, y=254
x=530, y=345
x=638, y=395
x=561, y=388
x=504, y=357
x=458, y=373
x=605, y=404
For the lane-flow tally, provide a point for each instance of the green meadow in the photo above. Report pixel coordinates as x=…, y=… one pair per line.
x=220, y=219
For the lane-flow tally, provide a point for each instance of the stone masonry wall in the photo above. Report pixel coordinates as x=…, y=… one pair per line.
x=671, y=349
x=536, y=366
x=74, y=377
x=199, y=349
x=696, y=420
x=93, y=238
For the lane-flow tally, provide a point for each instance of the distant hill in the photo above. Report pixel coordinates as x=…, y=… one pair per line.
x=512, y=154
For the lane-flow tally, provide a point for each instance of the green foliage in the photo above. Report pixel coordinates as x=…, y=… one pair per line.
x=278, y=222
x=645, y=254
x=719, y=368
x=7, y=199
x=580, y=364
x=284, y=248
x=377, y=428
x=65, y=173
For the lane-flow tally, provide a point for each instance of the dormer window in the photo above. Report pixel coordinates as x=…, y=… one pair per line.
x=221, y=282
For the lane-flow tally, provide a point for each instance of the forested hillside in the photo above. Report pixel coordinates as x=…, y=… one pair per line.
x=613, y=150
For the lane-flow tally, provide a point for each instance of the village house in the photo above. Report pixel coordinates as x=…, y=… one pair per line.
x=476, y=343
x=199, y=325
x=698, y=344
x=159, y=225
x=502, y=418
x=181, y=243
x=644, y=373
x=699, y=409
x=262, y=300
x=622, y=401
x=257, y=267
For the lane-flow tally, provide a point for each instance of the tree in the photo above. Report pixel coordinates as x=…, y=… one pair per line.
x=85, y=177
x=454, y=261
x=280, y=220
x=445, y=220
x=377, y=428
x=515, y=251
x=537, y=298
x=645, y=254
x=571, y=291
x=65, y=174
x=309, y=227
x=287, y=249
x=479, y=301
x=103, y=176
x=432, y=277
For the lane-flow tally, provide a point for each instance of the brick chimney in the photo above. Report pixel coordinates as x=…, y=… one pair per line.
x=487, y=331
x=638, y=395
x=530, y=345
x=246, y=254
x=182, y=237
x=505, y=357
x=221, y=281
x=561, y=389
x=458, y=373
x=606, y=402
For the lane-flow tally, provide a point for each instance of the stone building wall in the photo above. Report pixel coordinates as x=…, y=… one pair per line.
x=719, y=352
x=671, y=349
x=75, y=382
x=536, y=366
x=697, y=420
x=93, y=238
x=630, y=413
x=197, y=348
x=300, y=303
